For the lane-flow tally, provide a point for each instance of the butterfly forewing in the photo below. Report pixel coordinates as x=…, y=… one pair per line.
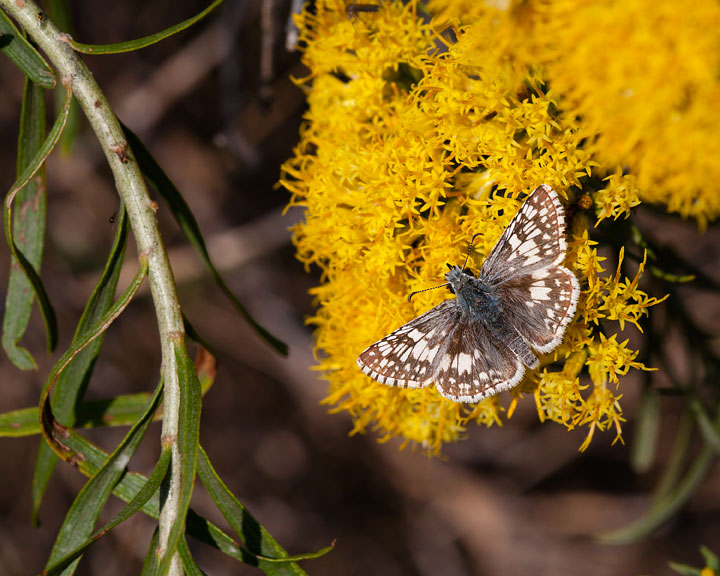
x=534, y=239
x=408, y=356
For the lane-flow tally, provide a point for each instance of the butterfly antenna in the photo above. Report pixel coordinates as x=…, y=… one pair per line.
x=472, y=241
x=426, y=289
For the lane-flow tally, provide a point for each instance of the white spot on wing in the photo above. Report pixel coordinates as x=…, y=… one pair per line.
x=464, y=363
x=540, y=292
x=415, y=335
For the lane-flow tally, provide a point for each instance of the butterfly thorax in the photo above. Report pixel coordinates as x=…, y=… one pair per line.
x=476, y=298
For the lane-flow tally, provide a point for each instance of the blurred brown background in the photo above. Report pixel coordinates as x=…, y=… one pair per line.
x=505, y=501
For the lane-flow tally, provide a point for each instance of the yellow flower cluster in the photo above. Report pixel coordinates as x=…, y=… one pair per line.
x=642, y=76
x=418, y=137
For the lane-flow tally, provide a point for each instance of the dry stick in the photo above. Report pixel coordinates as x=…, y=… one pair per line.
x=140, y=209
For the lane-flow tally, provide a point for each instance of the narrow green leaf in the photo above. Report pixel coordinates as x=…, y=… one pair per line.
x=705, y=425
x=188, y=563
x=195, y=336
x=146, y=40
x=711, y=559
x=663, y=509
x=189, y=226
x=677, y=460
x=59, y=11
x=53, y=431
x=27, y=252
x=74, y=535
x=14, y=45
x=150, y=563
x=120, y=410
x=116, y=411
x=148, y=490
x=88, y=458
x=35, y=162
x=42, y=472
x=19, y=423
x=263, y=550
x=29, y=222
x=73, y=381
x=644, y=444
x=188, y=444
x=685, y=569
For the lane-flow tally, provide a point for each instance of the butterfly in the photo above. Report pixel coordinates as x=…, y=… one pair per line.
x=480, y=343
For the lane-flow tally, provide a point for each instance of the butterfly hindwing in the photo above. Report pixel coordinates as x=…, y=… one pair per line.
x=476, y=365
x=540, y=305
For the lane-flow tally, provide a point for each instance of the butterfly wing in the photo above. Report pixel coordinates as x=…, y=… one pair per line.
x=464, y=359
x=408, y=357
x=535, y=238
x=540, y=304
x=476, y=364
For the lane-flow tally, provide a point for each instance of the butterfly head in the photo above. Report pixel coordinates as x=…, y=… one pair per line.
x=457, y=278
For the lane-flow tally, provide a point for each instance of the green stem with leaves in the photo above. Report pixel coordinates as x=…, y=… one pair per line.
x=141, y=213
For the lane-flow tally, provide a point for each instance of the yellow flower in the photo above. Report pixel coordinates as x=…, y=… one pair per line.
x=413, y=142
x=612, y=62
x=618, y=197
x=622, y=300
x=608, y=358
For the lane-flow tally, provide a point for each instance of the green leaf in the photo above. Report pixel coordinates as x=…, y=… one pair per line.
x=146, y=40
x=188, y=444
x=711, y=559
x=29, y=221
x=74, y=535
x=18, y=423
x=707, y=428
x=31, y=196
x=644, y=445
x=148, y=490
x=116, y=411
x=120, y=410
x=262, y=549
x=188, y=563
x=189, y=226
x=89, y=458
x=685, y=569
x=73, y=381
x=677, y=460
x=668, y=505
x=150, y=563
x=59, y=12
x=54, y=432
x=14, y=45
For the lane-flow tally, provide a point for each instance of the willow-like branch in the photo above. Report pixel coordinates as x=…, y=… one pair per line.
x=141, y=213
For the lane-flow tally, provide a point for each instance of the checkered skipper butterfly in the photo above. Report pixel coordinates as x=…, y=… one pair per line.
x=479, y=343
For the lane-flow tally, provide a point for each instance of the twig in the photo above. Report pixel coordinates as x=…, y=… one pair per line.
x=133, y=192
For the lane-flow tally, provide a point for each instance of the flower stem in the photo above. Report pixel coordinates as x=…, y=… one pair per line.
x=141, y=213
